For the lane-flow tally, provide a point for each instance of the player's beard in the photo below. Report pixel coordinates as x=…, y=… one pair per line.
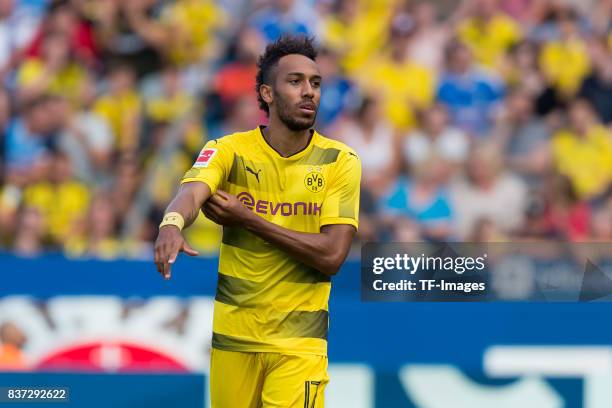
x=293, y=123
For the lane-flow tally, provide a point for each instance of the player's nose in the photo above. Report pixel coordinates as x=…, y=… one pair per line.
x=308, y=90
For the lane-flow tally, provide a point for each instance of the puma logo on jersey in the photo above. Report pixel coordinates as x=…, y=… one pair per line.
x=250, y=170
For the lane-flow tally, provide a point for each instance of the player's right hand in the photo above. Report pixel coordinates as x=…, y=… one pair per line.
x=169, y=243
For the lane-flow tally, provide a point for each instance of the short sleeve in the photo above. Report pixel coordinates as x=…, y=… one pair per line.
x=211, y=166
x=341, y=203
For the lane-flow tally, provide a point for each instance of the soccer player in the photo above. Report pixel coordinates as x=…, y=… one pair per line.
x=287, y=198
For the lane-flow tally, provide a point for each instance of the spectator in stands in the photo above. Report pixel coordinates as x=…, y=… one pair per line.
x=470, y=93
x=436, y=138
x=520, y=68
x=189, y=26
x=11, y=197
x=597, y=86
x=565, y=62
x=59, y=197
x=97, y=236
x=237, y=78
x=63, y=18
x=600, y=17
x=54, y=72
x=17, y=27
x=601, y=222
x=338, y=93
x=557, y=213
x=519, y=10
x=121, y=108
x=566, y=217
x=524, y=138
x=116, y=23
x=583, y=151
x=86, y=138
x=285, y=17
x=29, y=137
x=173, y=102
x=242, y=114
x=29, y=232
x=127, y=180
x=488, y=191
x=403, y=86
x=355, y=31
x=12, y=341
x=488, y=32
x=369, y=133
x=429, y=37
x=423, y=199
x=180, y=31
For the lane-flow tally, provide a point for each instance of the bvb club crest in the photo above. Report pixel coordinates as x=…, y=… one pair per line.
x=314, y=180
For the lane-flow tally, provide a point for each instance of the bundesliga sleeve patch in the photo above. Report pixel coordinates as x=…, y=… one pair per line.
x=205, y=157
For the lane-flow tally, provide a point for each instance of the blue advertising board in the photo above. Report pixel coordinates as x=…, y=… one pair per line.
x=400, y=354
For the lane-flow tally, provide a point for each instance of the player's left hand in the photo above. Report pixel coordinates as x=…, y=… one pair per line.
x=225, y=209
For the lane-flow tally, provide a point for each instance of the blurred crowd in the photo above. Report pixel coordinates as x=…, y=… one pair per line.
x=476, y=120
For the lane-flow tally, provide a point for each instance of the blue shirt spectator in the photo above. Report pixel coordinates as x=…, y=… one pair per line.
x=29, y=136
x=286, y=17
x=23, y=147
x=471, y=94
x=424, y=202
x=337, y=94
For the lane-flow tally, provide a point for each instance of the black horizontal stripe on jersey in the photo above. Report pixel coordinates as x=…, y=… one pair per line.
x=243, y=239
x=295, y=324
x=244, y=293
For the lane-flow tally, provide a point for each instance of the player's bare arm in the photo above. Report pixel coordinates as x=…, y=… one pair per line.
x=170, y=241
x=331, y=245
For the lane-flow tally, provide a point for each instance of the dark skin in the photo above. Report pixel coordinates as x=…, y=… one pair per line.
x=293, y=99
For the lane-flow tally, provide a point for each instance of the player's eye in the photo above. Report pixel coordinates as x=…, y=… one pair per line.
x=294, y=81
x=316, y=84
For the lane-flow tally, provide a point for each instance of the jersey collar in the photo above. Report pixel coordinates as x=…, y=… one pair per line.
x=277, y=155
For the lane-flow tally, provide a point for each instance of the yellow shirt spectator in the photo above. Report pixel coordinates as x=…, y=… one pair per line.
x=586, y=160
x=61, y=205
x=357, y=40
x=122, y=112
x=565, y=64
x=490, y=39
x=402, y=87
x=167, y=109
x=66, y=82
x=192, y=23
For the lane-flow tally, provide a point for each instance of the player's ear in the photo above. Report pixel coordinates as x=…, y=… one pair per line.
x=266, y=93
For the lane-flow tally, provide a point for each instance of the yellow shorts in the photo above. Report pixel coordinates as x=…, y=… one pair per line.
x=266, y=380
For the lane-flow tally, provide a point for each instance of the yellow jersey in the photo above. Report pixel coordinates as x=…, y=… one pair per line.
x=266, y=301
x=565, y=64
x=67, y=82
x=586, y=160
x=489, y=40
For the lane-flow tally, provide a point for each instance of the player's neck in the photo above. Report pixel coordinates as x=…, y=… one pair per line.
x=284, y=140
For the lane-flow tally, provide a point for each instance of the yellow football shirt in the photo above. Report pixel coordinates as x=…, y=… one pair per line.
x=586, y=160
x=565, y=64
x=489, y=40
x=121, y=112
x=67, y=82
x=267, y=301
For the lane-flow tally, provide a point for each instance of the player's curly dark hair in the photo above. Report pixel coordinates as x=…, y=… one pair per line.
x=285, y=45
